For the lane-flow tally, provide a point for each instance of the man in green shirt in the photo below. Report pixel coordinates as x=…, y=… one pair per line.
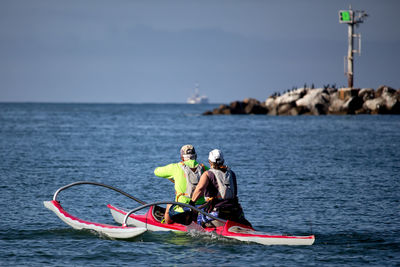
x=186, y=175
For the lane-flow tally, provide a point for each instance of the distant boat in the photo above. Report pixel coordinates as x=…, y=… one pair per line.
x=196, y=98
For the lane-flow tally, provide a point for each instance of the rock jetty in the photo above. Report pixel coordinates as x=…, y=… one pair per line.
x=319, y=101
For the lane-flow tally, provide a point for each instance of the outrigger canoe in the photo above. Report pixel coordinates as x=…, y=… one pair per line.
x=152, y=221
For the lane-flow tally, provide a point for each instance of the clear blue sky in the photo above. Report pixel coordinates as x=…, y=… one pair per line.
x=156, y=51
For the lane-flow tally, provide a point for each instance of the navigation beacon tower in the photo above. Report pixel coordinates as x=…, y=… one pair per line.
x=352, y=18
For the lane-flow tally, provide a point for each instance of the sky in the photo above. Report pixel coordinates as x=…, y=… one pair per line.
x=148, y=51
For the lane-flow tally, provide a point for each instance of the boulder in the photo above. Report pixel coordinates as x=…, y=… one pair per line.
x=384, y=89
x=226, y=111
x=237, y=107
x=336, y=105
x=374, y=106
x=248, y=106
x=292, y=96
x=353, y=104
x=391, y=97
x=255, y=107
x=366, y=94
x=316, y=100
x=271, y=105
x=221, y=110
x=387, y=101
x=395, y=108
x=284, y=109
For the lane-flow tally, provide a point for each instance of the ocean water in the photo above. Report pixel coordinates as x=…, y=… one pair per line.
x=337, y=177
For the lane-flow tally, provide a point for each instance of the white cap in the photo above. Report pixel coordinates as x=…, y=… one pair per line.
x=216, y=156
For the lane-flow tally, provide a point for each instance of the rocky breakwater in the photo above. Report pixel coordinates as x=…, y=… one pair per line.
x=319, y=101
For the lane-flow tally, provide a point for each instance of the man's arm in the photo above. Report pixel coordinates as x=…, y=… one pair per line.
x=166, y=172
x=201, y=187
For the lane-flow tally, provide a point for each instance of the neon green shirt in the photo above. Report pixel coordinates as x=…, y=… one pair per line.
x=175, y=172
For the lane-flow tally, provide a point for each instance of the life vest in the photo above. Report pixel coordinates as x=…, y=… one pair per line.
x=223, y=199
x=192, y=179
x=226, y=186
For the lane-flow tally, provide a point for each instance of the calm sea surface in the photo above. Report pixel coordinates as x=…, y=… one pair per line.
x=337, y=177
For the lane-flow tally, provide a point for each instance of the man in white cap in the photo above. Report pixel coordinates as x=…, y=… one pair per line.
x=186, y=175
x=219, y=187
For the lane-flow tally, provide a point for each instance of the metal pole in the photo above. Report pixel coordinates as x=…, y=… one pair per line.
x=351, y=18
x=350, y=57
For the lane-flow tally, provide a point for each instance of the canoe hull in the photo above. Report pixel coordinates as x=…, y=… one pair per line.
x=230, y=229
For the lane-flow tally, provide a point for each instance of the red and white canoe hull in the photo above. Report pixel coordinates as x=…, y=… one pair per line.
x=146, y=221
x=108, y=230
x=230, y=229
